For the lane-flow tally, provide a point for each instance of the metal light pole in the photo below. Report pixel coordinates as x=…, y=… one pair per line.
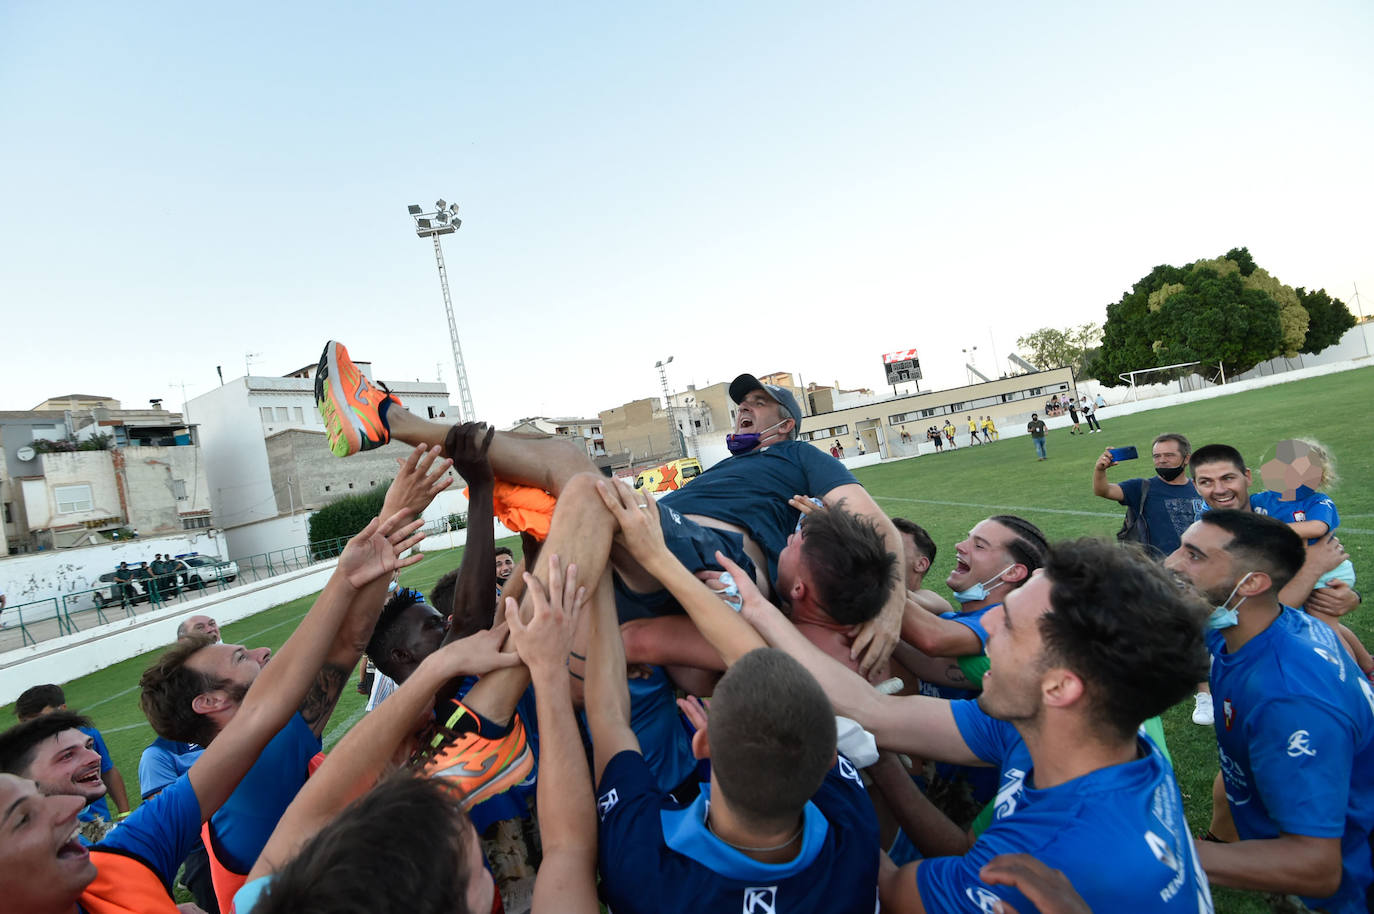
x=667, y=403
x=444, y=221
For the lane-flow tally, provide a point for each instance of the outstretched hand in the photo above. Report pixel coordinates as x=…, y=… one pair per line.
x=876, y=639
x=475, y=655
x=637, y=515
x=1105, y=461
x=376, y=551
x=467, y=444
x=545, y=642
x=1048, y=889
x=422, y=476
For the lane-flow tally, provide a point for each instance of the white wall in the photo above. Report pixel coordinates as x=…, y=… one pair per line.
x=92, y=468
x=58, y=572
x=62, y=659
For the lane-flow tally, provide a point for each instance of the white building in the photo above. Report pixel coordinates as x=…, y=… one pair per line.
x=268, y=462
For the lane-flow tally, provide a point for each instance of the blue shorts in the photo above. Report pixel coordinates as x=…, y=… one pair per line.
x=695, y=547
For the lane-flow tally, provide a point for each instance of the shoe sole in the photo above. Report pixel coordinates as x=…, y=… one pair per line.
x=501, y=765
x=344, y=426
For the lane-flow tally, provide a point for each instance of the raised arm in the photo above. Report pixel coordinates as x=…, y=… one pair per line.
x=567, y=812
x=372, y=554
x=366, y=751
x=1101, y=487
x=607, y=692
x=935, y=636
x=641, y=535
x=419, y=479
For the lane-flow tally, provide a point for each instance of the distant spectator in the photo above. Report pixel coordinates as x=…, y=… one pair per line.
x=199, y=625
x=1089, y=411
x=1036, y=429
x=124, y=577
x=3, y=623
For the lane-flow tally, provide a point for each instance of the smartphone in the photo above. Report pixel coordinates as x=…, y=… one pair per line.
x=1122, y=453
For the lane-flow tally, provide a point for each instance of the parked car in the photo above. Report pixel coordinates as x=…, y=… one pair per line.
x=206, y=569
x=138, y=584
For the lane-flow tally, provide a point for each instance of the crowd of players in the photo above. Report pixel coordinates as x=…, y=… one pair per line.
x=671, y=706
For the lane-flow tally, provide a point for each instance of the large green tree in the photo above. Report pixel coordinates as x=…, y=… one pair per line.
x=1227, y=312
x=1050, y=347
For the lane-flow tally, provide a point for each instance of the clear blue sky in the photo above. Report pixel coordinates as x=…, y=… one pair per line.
x=747, y=187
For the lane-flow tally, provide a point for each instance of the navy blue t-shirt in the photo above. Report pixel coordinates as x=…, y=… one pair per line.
x=1169, y=510
x=657, y=856
x=1117, y=833
x=751, y=491
x=1295, y=733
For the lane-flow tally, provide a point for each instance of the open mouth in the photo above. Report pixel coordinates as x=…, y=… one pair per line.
x=73, y=849
x=89, y=778
x=961, y=567
x=745, y=423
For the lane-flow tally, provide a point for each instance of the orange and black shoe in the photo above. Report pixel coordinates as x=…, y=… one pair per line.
x=353, y=407
x=473, y=767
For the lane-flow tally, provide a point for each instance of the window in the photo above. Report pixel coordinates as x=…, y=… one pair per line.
x=9, y=515
x=266, y=413
x=200, y=522
x=282, y=414
x=326, y=488
x=73, y=499
x=300, y=416
x=350, y=485
x=179, y=489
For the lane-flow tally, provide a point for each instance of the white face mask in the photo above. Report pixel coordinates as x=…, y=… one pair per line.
x=1221, y=616
x=980, y=591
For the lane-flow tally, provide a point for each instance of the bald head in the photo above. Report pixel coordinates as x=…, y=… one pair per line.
x=199, y=625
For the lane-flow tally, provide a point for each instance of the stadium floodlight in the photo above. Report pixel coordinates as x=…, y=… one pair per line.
x=444, y=221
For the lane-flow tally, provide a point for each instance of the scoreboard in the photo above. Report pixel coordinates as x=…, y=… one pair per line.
x=902, y=366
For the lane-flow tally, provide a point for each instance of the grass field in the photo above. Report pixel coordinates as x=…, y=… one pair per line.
x=947, y=494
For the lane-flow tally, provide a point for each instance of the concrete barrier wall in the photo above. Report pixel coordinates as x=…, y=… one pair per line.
x=62, y=659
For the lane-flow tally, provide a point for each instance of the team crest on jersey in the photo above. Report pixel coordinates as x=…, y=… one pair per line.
x=606, y=803
x=1299, y=744
x=761, y=899
x=847, y=771
x=1013, y=779
x=1228, y=711
x=985, y=900
x=1299, y=516
x=1331, y=659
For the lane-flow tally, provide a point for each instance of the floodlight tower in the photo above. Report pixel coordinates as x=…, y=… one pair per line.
x=668, y=403
x=444, y=221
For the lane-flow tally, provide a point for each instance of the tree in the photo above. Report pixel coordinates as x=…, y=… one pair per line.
x=1327, y=319
x=1049, y=347
x=1227, y=311
x=343, y=518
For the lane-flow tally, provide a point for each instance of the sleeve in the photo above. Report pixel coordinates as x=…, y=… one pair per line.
x=1301, y=755
x=1130, y=492
x=842, y=796
x=156, y=770
x=629, y=832
x=106, y=763
x=951, y=884
x=162, y=831
x=991, y=740
x=1323, y=509
x=973, y=622
x=823, y=473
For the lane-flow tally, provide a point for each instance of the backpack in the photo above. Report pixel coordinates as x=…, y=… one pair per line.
x=1134, y=528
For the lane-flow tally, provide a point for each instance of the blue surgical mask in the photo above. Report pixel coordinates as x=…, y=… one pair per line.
x=980, y=591
x=745, y=442
x=1221, y=616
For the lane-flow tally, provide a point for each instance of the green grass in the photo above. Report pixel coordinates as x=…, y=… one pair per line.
x=947, y=494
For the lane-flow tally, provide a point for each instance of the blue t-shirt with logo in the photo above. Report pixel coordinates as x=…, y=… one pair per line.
x=751, y=491
x=1117, y=833
x=161, y=831
x=163, y=762
x=1169, y=510
x=1295, y=733
x=1308, y=505
x=658, y=856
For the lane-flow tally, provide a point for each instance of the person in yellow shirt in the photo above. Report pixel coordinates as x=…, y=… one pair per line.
x=972, y=432
x=989, y=430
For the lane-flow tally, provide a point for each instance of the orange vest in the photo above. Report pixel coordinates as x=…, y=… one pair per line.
x=124, y=885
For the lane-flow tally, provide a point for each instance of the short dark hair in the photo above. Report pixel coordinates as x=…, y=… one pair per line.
x=772, y=736
x=924, y=543
x=1265, y=542
x=1184, y=446
x=849, y=563
x=387, y=633
x=1125, y=626
x=398, y=848
x=1216, y=453
x=34, y=699
x=504, y=550
x=1028, y=545
x=441, y=594
x=19, y=744
x=168, y=687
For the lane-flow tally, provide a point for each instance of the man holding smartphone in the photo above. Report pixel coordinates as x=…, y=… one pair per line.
x=1164, y=506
